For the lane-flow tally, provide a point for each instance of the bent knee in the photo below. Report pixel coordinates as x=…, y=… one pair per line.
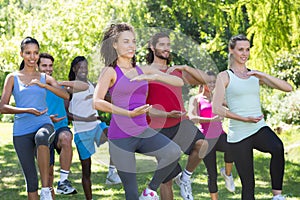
x=201, y=147
x=43, y=134
x=201, y=144
x=65, y=138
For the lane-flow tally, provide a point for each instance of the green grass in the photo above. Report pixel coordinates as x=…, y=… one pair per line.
x=12, y=185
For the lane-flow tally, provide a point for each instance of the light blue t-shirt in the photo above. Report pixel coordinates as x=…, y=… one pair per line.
x=56, y=106
x=29, y=97
x=242, y=97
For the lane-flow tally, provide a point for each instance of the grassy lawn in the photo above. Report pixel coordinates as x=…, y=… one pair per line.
x=12, y=185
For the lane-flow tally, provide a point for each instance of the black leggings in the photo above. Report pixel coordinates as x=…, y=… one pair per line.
x=217, y=144
x=265, y=140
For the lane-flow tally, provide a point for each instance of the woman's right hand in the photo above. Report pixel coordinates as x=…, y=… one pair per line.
x=37, y=112
x=139, y=110
x=254, y=119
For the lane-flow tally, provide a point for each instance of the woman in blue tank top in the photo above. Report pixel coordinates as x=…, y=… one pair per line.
x=128, y=132
x=33, y=129
x=247, y=128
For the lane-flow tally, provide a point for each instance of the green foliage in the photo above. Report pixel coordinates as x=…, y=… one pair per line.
x=287, y=66
x=282, y=108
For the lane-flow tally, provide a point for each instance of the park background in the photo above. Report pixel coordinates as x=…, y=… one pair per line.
x=199, y=30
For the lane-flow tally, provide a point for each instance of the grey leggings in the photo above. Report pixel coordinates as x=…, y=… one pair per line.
x=25, y=147
x=151, y=143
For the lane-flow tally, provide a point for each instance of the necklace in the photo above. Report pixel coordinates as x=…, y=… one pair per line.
x=242, y=73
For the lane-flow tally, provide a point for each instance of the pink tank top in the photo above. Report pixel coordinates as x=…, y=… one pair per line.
x=209, y=129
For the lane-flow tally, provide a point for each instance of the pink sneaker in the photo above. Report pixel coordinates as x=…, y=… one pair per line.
x=149, y=196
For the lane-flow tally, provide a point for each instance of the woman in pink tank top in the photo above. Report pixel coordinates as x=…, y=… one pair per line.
x=210, y=124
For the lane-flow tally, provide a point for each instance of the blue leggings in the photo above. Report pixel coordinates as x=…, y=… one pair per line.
x=265, y=140
x=150, y=143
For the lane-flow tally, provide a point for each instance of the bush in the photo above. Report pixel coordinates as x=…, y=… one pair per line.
x=287, y=66
x=281, y=107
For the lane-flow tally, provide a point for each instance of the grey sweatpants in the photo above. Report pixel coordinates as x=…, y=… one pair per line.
x=151, y=143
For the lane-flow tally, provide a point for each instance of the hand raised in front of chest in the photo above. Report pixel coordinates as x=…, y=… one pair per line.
x=36, y=82
x=140, y=110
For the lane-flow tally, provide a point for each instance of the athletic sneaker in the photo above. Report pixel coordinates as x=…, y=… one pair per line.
x=229, y=183
x=278, y=197
x=65, y=188
x=113, y=178
x=185, y=188
x=46, y=194
x=149, y=196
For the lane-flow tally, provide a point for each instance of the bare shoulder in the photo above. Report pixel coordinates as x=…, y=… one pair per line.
x=223, y=75
x=10, y=77
x=108, y=71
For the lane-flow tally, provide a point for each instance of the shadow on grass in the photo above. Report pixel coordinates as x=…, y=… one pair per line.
x=12, y=184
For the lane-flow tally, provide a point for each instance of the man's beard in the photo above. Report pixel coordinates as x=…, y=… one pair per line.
x=159, y=55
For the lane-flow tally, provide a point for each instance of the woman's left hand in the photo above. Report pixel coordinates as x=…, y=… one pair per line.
x=257, y=74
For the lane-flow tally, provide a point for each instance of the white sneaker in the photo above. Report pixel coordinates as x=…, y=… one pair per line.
x=149, y=196
x=229, y=183
x=185, y=188
x=113, y=178
x=46, y=194
x=278, y=197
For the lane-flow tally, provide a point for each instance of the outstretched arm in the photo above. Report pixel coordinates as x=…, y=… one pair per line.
x=51, y=85
x=271, y=81
x=74, y=86
x=153, y=112
x=152, y=74
x=191, y=75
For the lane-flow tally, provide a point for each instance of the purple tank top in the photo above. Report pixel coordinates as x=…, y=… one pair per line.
x=128, y=95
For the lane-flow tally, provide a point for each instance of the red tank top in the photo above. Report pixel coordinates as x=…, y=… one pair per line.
x=165, y=97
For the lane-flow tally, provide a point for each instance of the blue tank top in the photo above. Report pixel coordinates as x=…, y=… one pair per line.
x=56, y=105
x=242, y=97
x=128, y=95
x=29, y=97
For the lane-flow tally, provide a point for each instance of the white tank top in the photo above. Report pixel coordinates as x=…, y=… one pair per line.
x=81, y=104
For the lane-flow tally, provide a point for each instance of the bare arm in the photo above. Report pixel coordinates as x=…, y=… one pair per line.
x=74, y=86
x=191, y=75
x=152, y=74
x=195, y=117
x=5, y=108
x=106, y=79
x=52, y=86
x=153, y=112
x=218, y=99
x=271, y=81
